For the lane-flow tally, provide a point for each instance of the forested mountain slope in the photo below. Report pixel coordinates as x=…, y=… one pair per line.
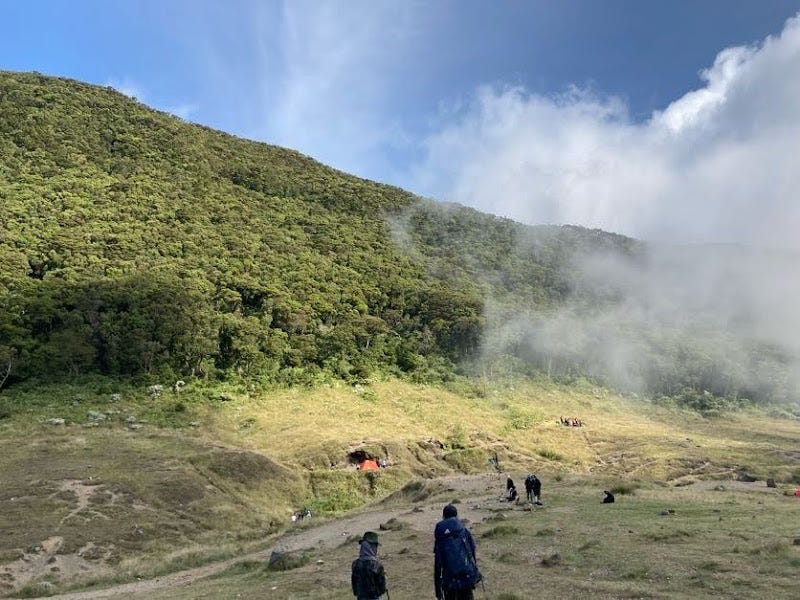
x=133, y=243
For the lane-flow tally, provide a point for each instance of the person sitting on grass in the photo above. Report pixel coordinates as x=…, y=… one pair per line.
x=608, y=497
x=511, y=494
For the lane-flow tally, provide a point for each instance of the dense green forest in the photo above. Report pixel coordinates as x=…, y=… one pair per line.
x=135, y=244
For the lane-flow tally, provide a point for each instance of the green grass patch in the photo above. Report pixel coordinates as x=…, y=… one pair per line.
x=520, y=419
x=500, y=531
x=550, y=454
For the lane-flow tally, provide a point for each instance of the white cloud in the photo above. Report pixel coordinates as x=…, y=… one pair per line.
x=720, y=164
x=330, y=94
x=127, y=87
x=183, y=111
x=133, y=90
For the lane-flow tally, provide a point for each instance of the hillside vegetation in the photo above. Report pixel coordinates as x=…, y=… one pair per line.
x=133, y=244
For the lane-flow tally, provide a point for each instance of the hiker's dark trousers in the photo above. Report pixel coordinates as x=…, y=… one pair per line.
x=458, y=595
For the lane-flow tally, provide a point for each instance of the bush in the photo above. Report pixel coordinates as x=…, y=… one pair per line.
x=625, y=489
x=456, y=437
x=549, y=454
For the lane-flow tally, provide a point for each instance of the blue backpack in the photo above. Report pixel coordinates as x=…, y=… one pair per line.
x=460, y=570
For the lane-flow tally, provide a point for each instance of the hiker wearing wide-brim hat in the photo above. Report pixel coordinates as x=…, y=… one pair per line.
x=367, y=576
x=371, y=537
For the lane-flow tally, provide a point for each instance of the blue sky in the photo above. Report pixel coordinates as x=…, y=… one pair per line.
x=664, y=120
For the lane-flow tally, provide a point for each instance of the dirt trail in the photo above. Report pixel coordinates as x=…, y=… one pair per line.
x=475, y=491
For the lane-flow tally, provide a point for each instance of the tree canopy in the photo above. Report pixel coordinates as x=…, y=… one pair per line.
x=134, y=243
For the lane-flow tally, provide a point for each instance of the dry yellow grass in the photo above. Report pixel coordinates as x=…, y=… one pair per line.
x=228, y=483
x=620, y=434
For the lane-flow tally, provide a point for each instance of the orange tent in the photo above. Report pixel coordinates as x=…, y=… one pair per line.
x=369, y=464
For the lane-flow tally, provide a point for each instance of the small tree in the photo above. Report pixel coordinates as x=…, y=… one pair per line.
x=8, y=360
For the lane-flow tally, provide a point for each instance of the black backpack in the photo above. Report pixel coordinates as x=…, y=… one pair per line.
x=460, y=570
x=367, y=579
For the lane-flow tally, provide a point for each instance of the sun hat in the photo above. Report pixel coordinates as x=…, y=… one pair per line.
x=371, y=537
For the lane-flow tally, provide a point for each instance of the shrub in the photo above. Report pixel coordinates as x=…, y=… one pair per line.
x=456, y=437
x=549, y=454
x=624, y=489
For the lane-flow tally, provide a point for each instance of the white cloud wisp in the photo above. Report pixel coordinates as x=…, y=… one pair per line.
x=720, y=164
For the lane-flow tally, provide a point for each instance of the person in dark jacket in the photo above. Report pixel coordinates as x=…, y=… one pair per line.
x=454, y=545
x=608, y=497
x=536, y=489
x=368, y=577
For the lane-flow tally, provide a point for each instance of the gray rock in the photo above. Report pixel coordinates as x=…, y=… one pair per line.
x=96, y=416
x=283, y=561
x=552, y=560
x=116, y=397
x=154, y=391
x=55, y=421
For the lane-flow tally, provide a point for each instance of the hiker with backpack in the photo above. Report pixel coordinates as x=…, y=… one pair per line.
x=368, y=577
x=455, y=569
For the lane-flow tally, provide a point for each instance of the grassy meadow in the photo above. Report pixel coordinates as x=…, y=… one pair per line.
x=181, y=480
x=728, y=543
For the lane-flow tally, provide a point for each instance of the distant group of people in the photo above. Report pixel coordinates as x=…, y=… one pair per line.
x=571, y=421
x=455, y=567
x=533, y=489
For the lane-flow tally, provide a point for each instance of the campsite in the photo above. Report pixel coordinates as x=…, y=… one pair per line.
x=183, y=515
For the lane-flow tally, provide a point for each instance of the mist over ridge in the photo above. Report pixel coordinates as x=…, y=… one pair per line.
x=136, y=245
x=718, y=165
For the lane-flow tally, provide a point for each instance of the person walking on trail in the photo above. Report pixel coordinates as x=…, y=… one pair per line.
x=368, y=577
x=455, y=568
